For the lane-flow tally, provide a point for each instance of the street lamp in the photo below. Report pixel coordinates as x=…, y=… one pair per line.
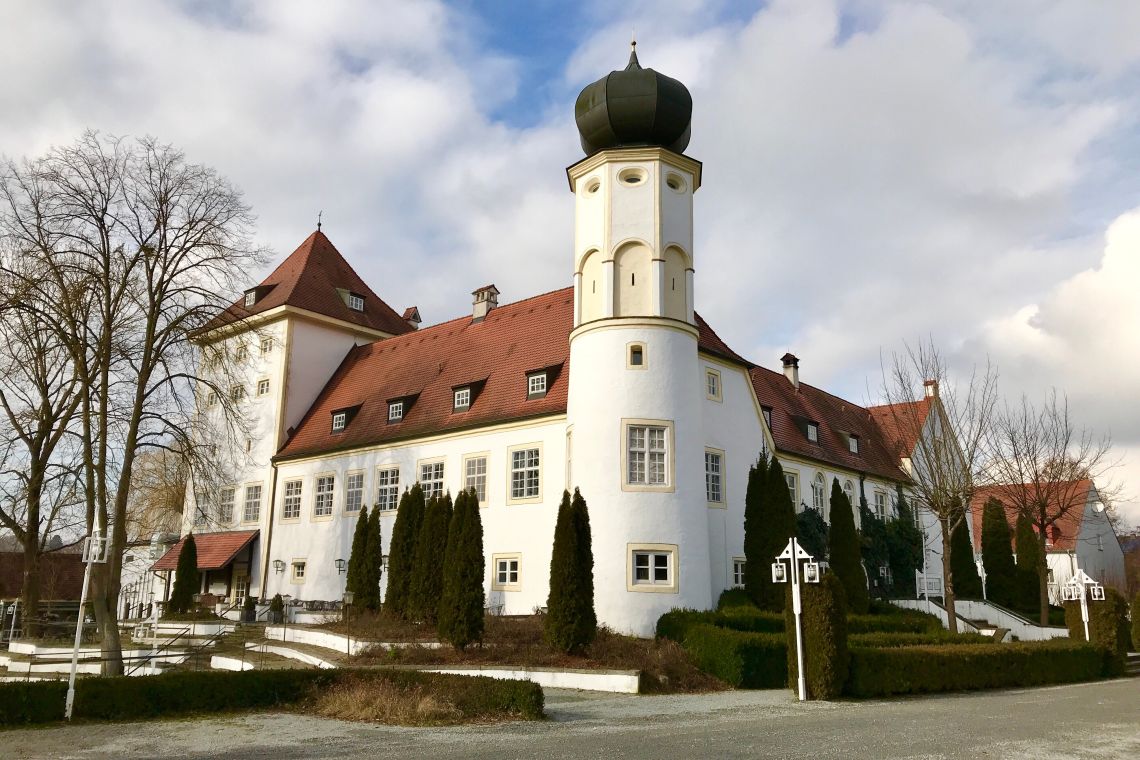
x=95, y=548
x=788, y=563
x=340, y=564
x=1080, y=588
x=279, y=566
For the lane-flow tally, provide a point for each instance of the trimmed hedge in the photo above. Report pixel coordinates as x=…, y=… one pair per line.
x=927, y=669
x=673, y=624
x=734, y=597
x=904, y=621
x=190, y=693
x=741, y=659
x=892, y=639
x=824, y=636
x=1108, y=627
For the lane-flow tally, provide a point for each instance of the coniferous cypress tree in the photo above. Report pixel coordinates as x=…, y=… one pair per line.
x=904, y=545
x=461, y=605
x=967, y=582
x=997, y=555
x=755, y=564
x=402, y=550
x=356, y=559
x=844, y=557
x=778, y=524
x=185, y=578
x=373, y=561
x=1028, y=557
x=873, y=546
x=811, y=530
x=571, y=623
x=427, y=575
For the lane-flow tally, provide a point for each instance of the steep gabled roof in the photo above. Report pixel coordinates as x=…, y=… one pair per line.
x=493, y=355
x=311, y=278
x=837, y=418
x=902, y=423
x=1066, y=530
x=215, y=550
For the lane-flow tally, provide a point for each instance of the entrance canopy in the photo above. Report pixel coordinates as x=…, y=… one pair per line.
x=215, y=550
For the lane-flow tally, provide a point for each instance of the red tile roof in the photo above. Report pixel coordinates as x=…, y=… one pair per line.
x=837, y=418
x=308, y=279
x=215, y=550
x=1065, y=531
x=902, y=423
x=493, y=355
x=61, y=575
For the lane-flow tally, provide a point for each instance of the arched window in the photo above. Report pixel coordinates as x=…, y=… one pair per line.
x=817, y=492
x=849, y=489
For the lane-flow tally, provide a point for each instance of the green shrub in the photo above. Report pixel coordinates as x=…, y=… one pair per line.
x=185, y=578
x=354, y=578
x=1108, y=627
x=402, y=550
x=882, y=672
x=461, y=606
x=904, y=545
x=426, y=585
x=844, y=553
x=190, y=693
x=824, y=624
x=571, y=623
x=905, y=621
x=676, y=622
x=894, y=639
x=770, y=520
x=967, y=582
x=744, y=660
x=673, y=624
x=1136, y=623
x=734, y=597
x=997, y=555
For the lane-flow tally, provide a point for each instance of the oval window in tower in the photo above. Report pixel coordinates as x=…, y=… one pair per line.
x=632, y=176
x=675, y=182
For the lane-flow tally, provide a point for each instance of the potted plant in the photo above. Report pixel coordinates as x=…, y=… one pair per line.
x=249, y=609
x=276, y=609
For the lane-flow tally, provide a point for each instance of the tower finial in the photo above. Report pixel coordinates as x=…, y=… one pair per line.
x=633, y=62
x=319, y=213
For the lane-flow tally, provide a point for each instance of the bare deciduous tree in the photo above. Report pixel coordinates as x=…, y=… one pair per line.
x=949, y=425
x=1041, y=464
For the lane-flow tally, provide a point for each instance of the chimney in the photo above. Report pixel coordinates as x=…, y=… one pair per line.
x=791, y=369
x=485, y=299
x=931, y=388
x=412, y=317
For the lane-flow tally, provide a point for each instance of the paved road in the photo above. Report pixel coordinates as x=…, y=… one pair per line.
x=1100, y=720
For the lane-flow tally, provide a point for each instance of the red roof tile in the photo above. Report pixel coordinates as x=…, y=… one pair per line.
x=61, y=575
x=215, y=550
x=837, y=418
x=1065, y=531
x=902, y=423
x=308, y=279
x=494, y=355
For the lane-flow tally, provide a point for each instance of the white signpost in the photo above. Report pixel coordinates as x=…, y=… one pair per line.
x=792, y=555
x=1080, y=588
x=94, y=550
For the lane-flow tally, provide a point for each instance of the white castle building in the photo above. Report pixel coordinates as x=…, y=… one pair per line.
x=614, y=385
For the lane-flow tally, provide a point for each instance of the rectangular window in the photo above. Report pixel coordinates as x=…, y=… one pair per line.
x=813, y=432
x=637, y=355
x=226, y=506
x=250, y=298
x=881, y=504
x=201, y=506
x=251, y=511
x=291, y=509
x=853, y=444
x=524, y=474
x=355, y=302
x=646, y=455
x=536, y=385
x=241, y=354
x=712, y=385
x=793, y=482
x=652, y=568
x=298, y=572
x=738, y=572
x=353, y=491
x=395, y=411
x=211, y=399
x=507, y=573
x=431, y=478
x=713, y=464
x=462, y=399
x=237, y=392
x=388, y=488
x=338, y=420
x=266, y=345
x=323, y=496
x=767, y=416
x=262, y=387
x=475, y=476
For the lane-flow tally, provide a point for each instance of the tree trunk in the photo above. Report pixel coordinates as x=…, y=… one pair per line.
x=948, y=580
x=30, y=593
x=1043, y=578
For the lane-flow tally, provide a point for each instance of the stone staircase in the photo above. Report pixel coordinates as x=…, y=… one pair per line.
x=1132, y=665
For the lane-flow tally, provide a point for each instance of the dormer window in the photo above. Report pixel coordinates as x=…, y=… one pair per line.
x=853, y=444
x=250, y=297
x=767, y=412
x=355, y=302
x=339, y=420
x=462, y=399
x=813, y=432
x=395, y=411
x=536, y=385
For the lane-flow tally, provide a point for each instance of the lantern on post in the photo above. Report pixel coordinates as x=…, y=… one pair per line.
x=788, y=564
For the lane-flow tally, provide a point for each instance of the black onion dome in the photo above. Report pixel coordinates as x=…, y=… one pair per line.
x=634, y=107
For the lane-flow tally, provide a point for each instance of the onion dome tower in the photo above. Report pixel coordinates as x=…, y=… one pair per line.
x=634, y=407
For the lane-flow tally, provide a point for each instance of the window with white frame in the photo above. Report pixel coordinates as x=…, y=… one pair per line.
x=507, y=572
x=525, y=474
x=250, y=298
x=237, y=392
x=536, y=385
x=387, y=488
x=849, y=490
x=242, y=353
x=712, y=385
x=226, y=506
x=818, y=490
x=262, y=387
x=211, y=399
x=813, y=432
x=251, y=510
x=475, y=476
x=338, y=421
x=881, y=504
x=647, y=455
x=298, y=572
x=652, y=568
x=355, y=302
x=266, y=345
x=353, y=491
x=431, y=478
x=201, y=508
x=853, y=444
x=395, y=411
x=714, y=461
x=738, y=572
x=793, y=481
x=291, y=508
x=462, y=400
x=323, y=496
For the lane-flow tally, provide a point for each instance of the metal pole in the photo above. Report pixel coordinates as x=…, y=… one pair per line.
x=1085, y=610
x=15, y=610
x=797, y=608
x=91, y=551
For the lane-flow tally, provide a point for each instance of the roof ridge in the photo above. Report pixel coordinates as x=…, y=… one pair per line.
x=816, y=388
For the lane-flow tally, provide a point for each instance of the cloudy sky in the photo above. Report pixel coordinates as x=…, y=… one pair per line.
x=874, y=172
